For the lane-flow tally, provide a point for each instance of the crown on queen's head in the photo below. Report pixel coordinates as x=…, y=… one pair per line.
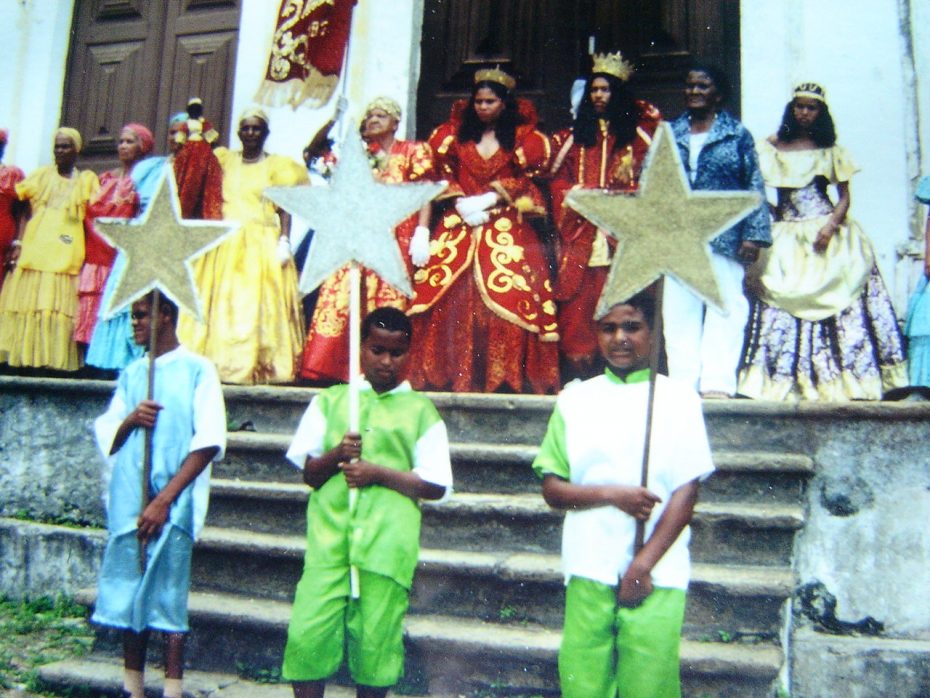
x=613, y=64
x=811, y=90
x=495, y=75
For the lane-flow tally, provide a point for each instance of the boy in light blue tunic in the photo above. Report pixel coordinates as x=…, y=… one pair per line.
x=189, y=422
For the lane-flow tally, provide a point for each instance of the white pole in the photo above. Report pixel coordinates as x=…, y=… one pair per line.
x=355, y=377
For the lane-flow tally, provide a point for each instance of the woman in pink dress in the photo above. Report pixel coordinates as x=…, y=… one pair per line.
x=116, y=198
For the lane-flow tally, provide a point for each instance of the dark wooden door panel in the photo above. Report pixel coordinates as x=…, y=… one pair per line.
x=204, y=66
x=140, y=60
x=115, y=42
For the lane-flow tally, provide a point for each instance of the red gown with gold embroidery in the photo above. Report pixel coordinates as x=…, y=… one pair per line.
x=585, y=255
x=326, y=350
x=483, y=313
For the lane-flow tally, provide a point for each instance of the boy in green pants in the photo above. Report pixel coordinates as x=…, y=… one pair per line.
x=400, y=457
x=624, y=609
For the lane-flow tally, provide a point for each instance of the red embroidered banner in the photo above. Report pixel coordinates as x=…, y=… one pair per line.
x=307, y=52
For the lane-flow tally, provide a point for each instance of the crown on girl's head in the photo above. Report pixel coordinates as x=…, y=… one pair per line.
x=497, y=75
x=811, y=90
x=613, y=64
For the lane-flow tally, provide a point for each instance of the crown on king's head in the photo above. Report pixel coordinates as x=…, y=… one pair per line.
x=613, y=64
x=811, y=90
x=495, y=75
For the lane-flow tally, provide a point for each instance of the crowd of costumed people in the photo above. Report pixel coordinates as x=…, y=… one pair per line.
x=505, y=275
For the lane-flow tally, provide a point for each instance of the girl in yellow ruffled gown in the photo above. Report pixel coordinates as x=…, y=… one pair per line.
x=39, y=300
x=252, y=328
x=822, y=327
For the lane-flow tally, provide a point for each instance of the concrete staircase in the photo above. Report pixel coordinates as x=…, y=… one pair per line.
x=486, y=608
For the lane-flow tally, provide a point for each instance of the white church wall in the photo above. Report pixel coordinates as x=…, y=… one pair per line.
x=34, y=35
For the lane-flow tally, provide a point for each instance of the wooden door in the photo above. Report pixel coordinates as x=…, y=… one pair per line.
x=139, y=60
x=545, y=45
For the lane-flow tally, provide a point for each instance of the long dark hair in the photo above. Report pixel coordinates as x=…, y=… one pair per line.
x=822, y=131
x=622, y=114
x=471, y=128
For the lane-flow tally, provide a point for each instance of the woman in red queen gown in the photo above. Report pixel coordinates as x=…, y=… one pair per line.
x=483, y=313
x=326, y=350
x=9, y=204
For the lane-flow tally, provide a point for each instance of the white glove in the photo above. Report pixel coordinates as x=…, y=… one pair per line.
x=341, y=105
x=472, y=204
x=419, y=246
x=284, y=250
x=477, y=218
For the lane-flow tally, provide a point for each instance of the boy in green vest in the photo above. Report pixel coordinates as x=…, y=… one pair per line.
x=400, y=457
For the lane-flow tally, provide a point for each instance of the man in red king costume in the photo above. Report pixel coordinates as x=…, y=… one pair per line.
x=604, y=150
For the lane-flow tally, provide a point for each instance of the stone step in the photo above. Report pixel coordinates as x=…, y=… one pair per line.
x=522, y=419
x=511, y=588
x=505, y=468
x=723, y=532
x=101, y=675
x=469, y=416
x=451, y=656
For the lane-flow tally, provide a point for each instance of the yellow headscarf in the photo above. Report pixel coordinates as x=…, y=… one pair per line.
x=256, y=112
x=72, y=135
x=385, y=104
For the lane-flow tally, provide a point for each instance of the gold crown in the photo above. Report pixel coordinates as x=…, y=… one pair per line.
x=495, y=75
x=811, y=90
x=613, y=64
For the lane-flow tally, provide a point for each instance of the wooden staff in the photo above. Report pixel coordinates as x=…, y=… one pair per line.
x=146, y=489
x=657, y=331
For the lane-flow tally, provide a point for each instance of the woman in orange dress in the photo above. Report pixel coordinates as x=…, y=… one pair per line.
x=483, y=311
x=326, y=351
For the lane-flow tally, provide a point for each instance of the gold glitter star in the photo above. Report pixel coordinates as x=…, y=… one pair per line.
x=159, y=248
x=354, y=218
x=664, y=228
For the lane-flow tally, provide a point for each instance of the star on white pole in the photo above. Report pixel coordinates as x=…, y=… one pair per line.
x=353, y=218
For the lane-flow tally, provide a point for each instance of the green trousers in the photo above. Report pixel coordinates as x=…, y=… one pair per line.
x=326, y=624
x=609, y=651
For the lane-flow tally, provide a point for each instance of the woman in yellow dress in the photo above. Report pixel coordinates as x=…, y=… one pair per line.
x=39, y=300
x=248, y=285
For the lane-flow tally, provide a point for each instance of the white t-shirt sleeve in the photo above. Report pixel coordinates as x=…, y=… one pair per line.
x=431, y=458
x=209, y=413
x=308, y=440
x=692, y=456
